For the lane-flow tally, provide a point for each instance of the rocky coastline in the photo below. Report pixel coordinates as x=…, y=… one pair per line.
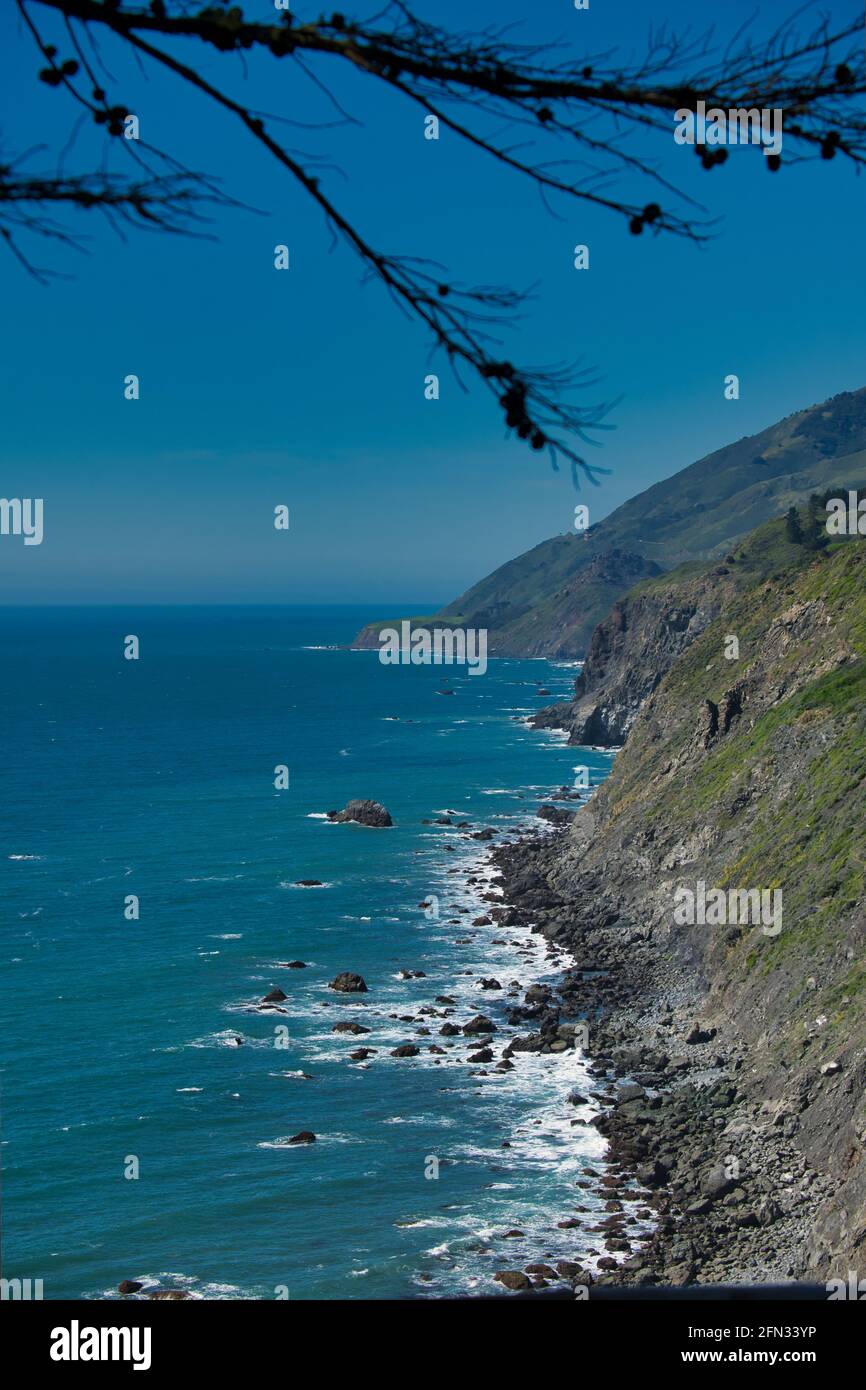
x=701, y=1184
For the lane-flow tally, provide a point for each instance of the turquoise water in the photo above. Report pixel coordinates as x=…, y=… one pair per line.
x=156, y=778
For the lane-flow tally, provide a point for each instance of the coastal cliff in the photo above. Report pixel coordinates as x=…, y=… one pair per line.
x=747, y=1041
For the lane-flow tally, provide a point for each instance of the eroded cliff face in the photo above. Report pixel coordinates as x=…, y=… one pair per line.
x=746, y=774
x=656, y=622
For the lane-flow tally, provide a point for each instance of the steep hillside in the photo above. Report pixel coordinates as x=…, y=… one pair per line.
x=644, y=633
x=745, y=773
x=548, y=601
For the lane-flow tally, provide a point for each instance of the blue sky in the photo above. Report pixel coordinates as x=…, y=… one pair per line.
x=306, y=387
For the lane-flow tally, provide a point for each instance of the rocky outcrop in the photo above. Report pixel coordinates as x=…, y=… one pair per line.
x=555, y=815
x=631, y=650
x=479, y=1024
x=370, y=813
x=347, y=982
x=512, y=1279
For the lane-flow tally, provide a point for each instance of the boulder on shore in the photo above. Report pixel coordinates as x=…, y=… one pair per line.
x=556, y=815
x=347, y=982
x=370, y=813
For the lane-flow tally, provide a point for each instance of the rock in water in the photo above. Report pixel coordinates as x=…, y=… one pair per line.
x=370, y=813
x=304, y=1136
x=347, y=982
x=129, y=1286
x=512, y=1279
x=479, y=1024
x=276, y=996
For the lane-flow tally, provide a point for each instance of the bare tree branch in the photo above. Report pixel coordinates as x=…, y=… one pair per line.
x=593, y=107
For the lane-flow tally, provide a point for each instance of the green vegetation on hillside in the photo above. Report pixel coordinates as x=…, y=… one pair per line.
x=783, y=793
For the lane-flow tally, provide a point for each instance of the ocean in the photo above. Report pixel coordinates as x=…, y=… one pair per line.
x=139, y=1141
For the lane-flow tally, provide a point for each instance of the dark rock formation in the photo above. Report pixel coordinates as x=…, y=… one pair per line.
x=479, y=1024
x=556, y=815
x=369, y=813
x=347, y=982
x=512, y=1279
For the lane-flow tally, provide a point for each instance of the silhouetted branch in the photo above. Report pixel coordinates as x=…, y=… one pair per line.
x=592, y=107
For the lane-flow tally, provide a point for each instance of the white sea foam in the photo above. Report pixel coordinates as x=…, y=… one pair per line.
x=283, y=1142
x=226, y=1038
x=214, y=878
